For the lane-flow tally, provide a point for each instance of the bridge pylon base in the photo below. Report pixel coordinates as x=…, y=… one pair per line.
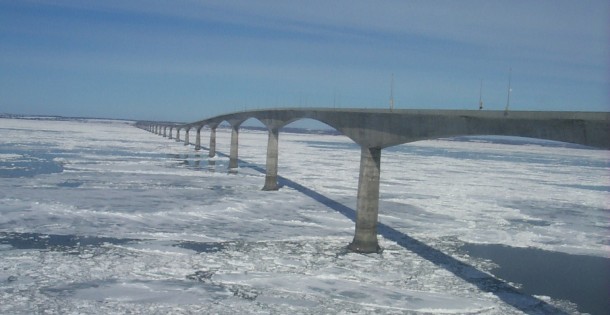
x=364, y=246
x=271, y=184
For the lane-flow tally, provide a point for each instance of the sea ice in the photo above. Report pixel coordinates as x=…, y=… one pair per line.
x=172, y=232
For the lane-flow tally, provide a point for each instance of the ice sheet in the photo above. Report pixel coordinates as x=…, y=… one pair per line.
x=277, y=251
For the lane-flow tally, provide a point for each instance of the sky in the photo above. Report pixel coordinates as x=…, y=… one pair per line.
x=189, y=60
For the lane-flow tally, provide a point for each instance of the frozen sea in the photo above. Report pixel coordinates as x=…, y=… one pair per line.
x=100, y=217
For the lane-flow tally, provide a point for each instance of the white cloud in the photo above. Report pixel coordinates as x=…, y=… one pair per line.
x=565, y=31
x=434, y=48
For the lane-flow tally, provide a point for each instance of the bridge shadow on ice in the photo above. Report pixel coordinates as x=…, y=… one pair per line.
x=507, y=293
x=485, y=282
x=482, y=280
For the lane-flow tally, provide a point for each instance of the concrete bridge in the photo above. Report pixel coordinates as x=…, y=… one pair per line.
x=374, y=130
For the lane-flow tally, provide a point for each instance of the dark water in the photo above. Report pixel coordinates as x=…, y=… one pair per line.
x=202, y=247
x=29, y=164
x=584, y=280
x=66, y=242
x=55, y=242
x=39, y=160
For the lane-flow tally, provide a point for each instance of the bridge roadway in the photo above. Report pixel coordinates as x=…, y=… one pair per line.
x=374, y=130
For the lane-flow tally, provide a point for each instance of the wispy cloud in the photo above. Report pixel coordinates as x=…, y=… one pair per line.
x=438, y=50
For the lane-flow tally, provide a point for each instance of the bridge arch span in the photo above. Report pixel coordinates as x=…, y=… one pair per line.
x=374, y=130
x=384, y=128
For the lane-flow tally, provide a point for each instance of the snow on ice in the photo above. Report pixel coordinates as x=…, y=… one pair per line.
x=102, y=217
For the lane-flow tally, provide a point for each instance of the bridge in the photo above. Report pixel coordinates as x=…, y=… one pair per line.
x=374, y=130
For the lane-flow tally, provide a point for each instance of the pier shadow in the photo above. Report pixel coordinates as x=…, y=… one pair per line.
x=483, y=281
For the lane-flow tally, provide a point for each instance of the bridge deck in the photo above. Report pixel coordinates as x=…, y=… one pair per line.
x=375, y=129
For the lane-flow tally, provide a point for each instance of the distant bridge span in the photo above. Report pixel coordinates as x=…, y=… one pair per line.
x=374, y=130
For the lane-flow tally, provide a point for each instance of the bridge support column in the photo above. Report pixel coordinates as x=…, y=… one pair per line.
x=234, y=148
x=171, y=129
x=272, y=154
x=365, y=238
x=198, y=140
x=212, y=152
x=186, y=137
x=165, y=132
x=177, y=135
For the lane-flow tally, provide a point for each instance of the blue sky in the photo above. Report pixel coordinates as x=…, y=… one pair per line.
x=188, y=60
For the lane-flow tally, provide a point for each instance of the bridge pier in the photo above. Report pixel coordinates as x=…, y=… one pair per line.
x=186, y=136
x=272, y=160
x=376, y=129
x=165, y=131
x=171, y=130
x=367, y=209
x=212, y=152
x=234, y=148
x=198, y=139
